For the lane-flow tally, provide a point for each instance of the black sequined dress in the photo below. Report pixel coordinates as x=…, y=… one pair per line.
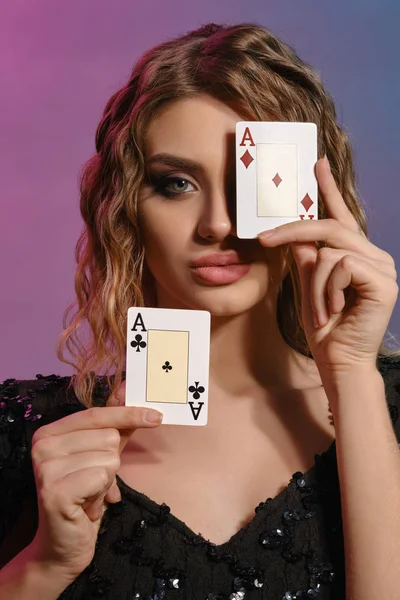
x=291, y=549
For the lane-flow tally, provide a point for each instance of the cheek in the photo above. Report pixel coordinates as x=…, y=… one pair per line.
x=165, y=237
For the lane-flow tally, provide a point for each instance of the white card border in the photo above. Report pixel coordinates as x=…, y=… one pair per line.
x=199, y=343
x=278, y=132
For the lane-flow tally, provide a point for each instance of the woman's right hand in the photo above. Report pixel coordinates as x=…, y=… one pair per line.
x=75, y=461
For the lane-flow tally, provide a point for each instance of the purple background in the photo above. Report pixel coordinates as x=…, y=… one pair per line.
x=60, y=62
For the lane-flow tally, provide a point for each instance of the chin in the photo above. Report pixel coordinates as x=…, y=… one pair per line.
x=220, y=301
x=232, y=300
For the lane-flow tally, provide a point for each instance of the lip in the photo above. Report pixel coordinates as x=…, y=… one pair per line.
x=218, y=259
x=219, y=268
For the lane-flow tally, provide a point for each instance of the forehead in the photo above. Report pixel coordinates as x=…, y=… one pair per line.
x=192, y=126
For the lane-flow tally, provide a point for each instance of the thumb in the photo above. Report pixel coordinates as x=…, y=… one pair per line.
x=117, y=398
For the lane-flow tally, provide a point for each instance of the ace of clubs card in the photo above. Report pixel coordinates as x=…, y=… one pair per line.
x=275, y=179
x=167, y=363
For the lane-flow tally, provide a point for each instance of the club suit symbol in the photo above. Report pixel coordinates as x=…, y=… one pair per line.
x=196, y=390
x=138, y=342
x=167, y=366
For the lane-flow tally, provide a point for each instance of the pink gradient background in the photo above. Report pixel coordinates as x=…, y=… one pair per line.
x=60, y=62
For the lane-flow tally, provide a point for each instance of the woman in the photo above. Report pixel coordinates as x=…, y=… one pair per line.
x=296, y=346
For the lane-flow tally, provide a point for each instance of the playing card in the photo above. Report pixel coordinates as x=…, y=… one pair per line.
x=275, y=179
x=167, y=363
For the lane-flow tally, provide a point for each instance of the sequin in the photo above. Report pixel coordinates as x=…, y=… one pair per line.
x=237, y=583
x=159, y=584
x=286, y=538
x=273, y=538
x=313, y=593
x=247, y=579
x=239, y=595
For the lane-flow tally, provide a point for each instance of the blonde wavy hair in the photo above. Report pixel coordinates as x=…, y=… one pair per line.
x=261, y=78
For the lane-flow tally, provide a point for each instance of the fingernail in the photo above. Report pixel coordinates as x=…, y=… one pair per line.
x=153, y=416
x=266, y=234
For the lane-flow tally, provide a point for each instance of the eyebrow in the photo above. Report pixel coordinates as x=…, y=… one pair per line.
x=175, y=161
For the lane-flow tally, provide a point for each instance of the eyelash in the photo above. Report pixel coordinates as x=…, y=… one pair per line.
x=160, y=183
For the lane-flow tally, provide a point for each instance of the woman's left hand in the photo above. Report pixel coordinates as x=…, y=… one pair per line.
x=349, y=285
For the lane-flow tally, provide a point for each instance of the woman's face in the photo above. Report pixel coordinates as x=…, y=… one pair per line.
x=187, y=212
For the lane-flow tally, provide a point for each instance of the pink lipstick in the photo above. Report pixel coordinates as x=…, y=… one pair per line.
x=219, y=268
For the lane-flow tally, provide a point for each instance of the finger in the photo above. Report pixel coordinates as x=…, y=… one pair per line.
x=333, y=199
x=326, y=230
x=305, y=256
x=75, y=442
x=51, y=471
x=96, y=505
x=95, y=508
x=75, y=489
x=118, y=398
x=118, y=417
x=326, y=261
x=113, y=494
x=365, y=278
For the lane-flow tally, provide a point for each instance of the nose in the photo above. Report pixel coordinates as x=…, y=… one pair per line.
x=218, y=218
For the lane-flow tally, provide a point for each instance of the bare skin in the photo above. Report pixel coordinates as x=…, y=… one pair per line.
x=268, y=411
x=214, y=477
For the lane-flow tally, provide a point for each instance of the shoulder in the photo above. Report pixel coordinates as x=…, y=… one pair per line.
x=45, y=398
x=26, y=405
x=389, y=367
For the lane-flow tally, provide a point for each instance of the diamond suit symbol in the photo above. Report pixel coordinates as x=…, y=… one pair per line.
x=277, y=180
x=307, y=202
x=247, y=159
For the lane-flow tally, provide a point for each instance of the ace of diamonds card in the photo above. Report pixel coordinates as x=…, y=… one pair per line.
x=275, y=177
x=167, y=363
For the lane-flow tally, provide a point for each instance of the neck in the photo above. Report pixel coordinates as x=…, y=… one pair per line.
x=248, y=351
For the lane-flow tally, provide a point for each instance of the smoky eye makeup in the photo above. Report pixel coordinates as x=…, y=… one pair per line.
x=168, y=185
